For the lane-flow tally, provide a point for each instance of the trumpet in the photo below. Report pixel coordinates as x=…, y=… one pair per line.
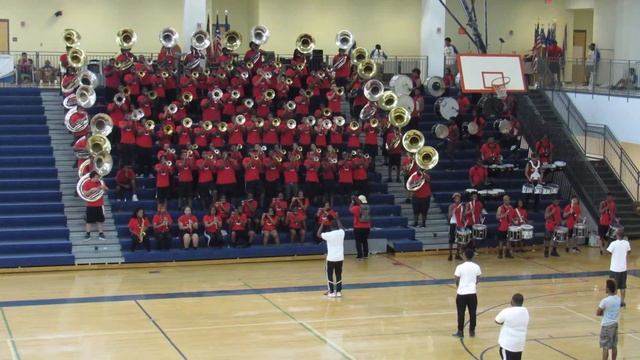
x=244, y=75
x=259, y=122
x=207, y=125
x=187, y=122
x=327, y=124
x=354, y=125
x=172, y=108
x=340, y=91
x=149, y=125
x=125, y=90
x=165, y=74
x=276, y=122
x=195, y=74
x=374, y=123
x=339, y=120
x=306, y=93
x=311, y=120
x=216, y=94
x=235, y=94
x=168, y=130
x=326, y=112
x=291, y=106
x=277, y=64
x=269, y=94
x=187, y=97
x=248, y=103
x=152, y=95
x=291, y=124
x=229, y=67
x=300, y=66
x=206, y=71
x=288, y=81
x=239, y=119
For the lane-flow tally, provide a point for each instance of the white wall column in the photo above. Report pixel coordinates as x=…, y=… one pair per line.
x=626, y=25
x=195, y=13
x=432, y=36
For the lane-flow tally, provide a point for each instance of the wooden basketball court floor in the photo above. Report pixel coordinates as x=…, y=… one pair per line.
x=399, y=307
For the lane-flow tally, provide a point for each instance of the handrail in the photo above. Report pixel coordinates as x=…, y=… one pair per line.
x=597, y=140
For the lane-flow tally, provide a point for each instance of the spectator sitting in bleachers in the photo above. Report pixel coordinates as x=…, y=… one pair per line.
x=126, y=183
x=24, y=67
x=48, y=74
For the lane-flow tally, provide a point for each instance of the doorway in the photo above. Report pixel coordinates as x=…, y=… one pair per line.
x=4, y=36
x=579, y=54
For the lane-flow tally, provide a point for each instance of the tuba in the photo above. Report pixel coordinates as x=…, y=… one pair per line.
x=259, y=122
x=91, y=195
x=399, y=117
x=440, y=131
x=373, y=89
x=200, y=40
x=415, y=181
x=427, y=157
x=388, y=100
x=77, y=57
x=168, y=37
x=367, y=69
x=71, y=37
x=344, y=39
x=102, y=163
x=80, y=125
x=101, y=124
x=97, y=144
x=86, y=77
x=232, y=40
x=126, y=38
x=85, y=96
x=259, y=35
x=503, y=126
x=359, y=55
x=305, y=43
x=70, y=101
x=412, y=141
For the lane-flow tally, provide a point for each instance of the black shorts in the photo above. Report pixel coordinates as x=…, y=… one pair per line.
x=510, y=355
x=603, y=230
x=163, y=193
x=95, y=214
x=182, y=232
x=501, y=236
x=554, y=67
x=394, y=159
x=185, y=189
x=420, y=206
x=620, y=278
x=371, y=150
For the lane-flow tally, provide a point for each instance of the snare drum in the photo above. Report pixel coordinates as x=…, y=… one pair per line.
x=483, y=193
x=514, y=233
x=498, y=192
x=508, y=167
x=560, y=234
x=580, y=230
x=559, y=165
x=550, y=167
x=550, y=189
x=527, y=188
x=613, y=229
x=470, y=191
x=527, y=231
x=479, y=231
x=463, y=236
x=538, y=189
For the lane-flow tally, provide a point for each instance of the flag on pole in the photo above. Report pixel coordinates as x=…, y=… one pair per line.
x=226, y=21
x=217, y=42
x=564, y=45
x=537, y=48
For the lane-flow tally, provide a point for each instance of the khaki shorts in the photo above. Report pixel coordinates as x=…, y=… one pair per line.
x=609, y=336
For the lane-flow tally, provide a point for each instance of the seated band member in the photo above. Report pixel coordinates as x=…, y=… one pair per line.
x=125, y=183
x=478, y=175
x=505, y=215
x=572, y=214
x=552, y=219
x=212, y=223
x=162, y=222
x=238, y=227
x=520, y=217
x=188, y=226
x=456, y=219
x=269, y=227
x=138, y=225
x=249, y=208
x=491, y=152
x=223, y=208
x=296, y=220
x=544, y=148
x=279, y=206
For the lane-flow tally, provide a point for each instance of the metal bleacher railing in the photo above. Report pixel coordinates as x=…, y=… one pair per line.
x=31, y=78
x=597, y=141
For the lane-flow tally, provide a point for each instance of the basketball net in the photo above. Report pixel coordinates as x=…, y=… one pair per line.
x=500, y=86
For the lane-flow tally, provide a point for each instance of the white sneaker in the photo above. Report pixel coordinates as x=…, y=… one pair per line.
x=134, y=198
x=331, y=295
x=338, y=294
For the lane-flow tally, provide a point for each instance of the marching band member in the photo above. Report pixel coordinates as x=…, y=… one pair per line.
x=544, y=148
x=223, y=208
x=163, y=180
x=452, y=140
x=328, y=168
x=185, y=167
x=572, y=214
x=254, y=55
x=271, y=175
x=279, y=206
x=254, y=136
x=144, y=151
x=533, y=173
x=474, y=214
x=212, y=223
x=226, y=180
x=421, y=200
x=300, y=201
x=249, y=208
x=252, y=169
x=491, y=152
x=111, y=79
x=418, y=106
x=127, y=144
x=345, y=177
x=296, y=220
x=201, y=137
x=304, y=134
x=132, y=82
x=290, y=174
x=269, y=224
x=607, y=210
x=342, y=67
x=188, y=226
x=552, y=219
x=125, y=182
x=238, y=226
x=371, y=143
x=95, y=209
x=138, y=225
x=324, y=216
x=312, y=177
x=360, y=173
x=505, y=216
x=481, y=123
x=408, y=167
x=521, y=217
x=478, y=175
x=455, y=216
x=336, y=136
x=394, y=145
x=162, y=222
x=511, y=140
x=205, y=167
x=464, y=104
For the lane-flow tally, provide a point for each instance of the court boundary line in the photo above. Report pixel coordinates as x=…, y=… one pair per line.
x=161, y=330
x=11, y=342
x=555, y=349
x=291, y=289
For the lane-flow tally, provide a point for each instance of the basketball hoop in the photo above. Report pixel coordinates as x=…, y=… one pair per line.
x=499, y=85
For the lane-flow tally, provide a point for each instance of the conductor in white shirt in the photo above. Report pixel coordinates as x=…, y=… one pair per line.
x=467, y=275
x=513, y=334
x=377, y=54
x=334, y=236
x=619, y=249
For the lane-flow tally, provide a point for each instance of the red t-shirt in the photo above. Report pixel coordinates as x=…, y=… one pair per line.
x=159, y=219
x=554, y=52
x=185, y=172
x=324, y=216
x=520, y=215
x=345, y=173
x=249, y=207
x=357, y=224
x=268, y=223
x=163, y=175
x=125, y=176
x=238, y=222
x=91, y=184
x=555, y=218
x=506, y=221
x=424, y=191
x=226, y=173
x=290, y=169
x=183, y=221
x=296, y=220
x=608, y=216
x=134, y=225
x=488, y=153
x=279, y=207
x=215, y=222
x=478, y=175
x=574, y=215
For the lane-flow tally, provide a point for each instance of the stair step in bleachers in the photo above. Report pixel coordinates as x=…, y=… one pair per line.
x=33, y=226
x=405, y=245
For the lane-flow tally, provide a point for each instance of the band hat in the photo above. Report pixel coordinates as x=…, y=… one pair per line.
x=362, y=199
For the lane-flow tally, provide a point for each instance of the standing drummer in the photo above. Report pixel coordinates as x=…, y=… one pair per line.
x=607, y=212
x=456, y=221
x=505, y=216
x=552, y=218
x=533, y=174
x=571, y=214
x=474, y=215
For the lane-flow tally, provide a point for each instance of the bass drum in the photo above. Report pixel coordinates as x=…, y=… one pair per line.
x=435, y=86
x=446, y=107
x=401, y=84
x=406, y=102
x=491, y=107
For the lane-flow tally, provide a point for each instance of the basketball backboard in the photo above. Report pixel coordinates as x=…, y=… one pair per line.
x=479, y=73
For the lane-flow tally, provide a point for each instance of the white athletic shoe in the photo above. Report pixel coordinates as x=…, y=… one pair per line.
x=338, y=294
x=331, y=295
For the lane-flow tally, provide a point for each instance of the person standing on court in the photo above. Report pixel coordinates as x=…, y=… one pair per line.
x=361, y=225
x=619, y=248
x=513, y=333
x=609, y=309
x=467, y=275
x=334, y=236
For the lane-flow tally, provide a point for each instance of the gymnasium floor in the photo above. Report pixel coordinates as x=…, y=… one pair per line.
x=393, y=308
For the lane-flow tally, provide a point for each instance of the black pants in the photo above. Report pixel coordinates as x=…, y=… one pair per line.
x=509, y=355
x=135, y=242
x=467, y=301
x=164, y=240
x=420, y=207
x=214, y=239
x=362, y=242
x=127, y=154
x=144, y=159
x=334, y=266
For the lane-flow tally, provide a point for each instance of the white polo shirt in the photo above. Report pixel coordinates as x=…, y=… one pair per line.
x=468, y=273
x=335, y=244
x=619, y=250
x=513, y=333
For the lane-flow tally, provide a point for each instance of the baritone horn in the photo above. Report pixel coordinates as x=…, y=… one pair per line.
x=232, y=40
x=399, y=117
x=388, y=100
x=344, y=39
x=412, y=141
x=260, y=35
x=427, y=157
x=126, y=38
x=77, y=57
x=359, y=55
x=168, y=37
x=200, y=40
x=305, y=43
x=367, y=69
x=71, y=38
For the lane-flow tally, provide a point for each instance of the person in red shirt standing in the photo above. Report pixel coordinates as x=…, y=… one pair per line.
x=163, y=180
x=393, y=142
x=345, y=176
x=607, y=210
x=520, y=217
x=478, y=175
x=205, y=168
x=238, y=227
x=290, y=172
x=127, y=144
x=112, y=79
x=212, y=223
x=572, y=215
x=534, y=175
x=95, y=211
x=361, y=212
x=421, y=200
x=456, y=218
x=188, y=226
x=474, y=215
x=552, y=219
x=544, y=148
x=138, y=225
x=125, y=182
x=554, y=55
x=144, y=152
x=505, y=216
x=185, y=167
x=342, y=68
x=296, y=221
x=360, y=173
x=371, y=144
x=162, y=222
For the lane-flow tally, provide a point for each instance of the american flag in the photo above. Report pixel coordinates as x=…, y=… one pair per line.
x=537, y=48
x=217, y=42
